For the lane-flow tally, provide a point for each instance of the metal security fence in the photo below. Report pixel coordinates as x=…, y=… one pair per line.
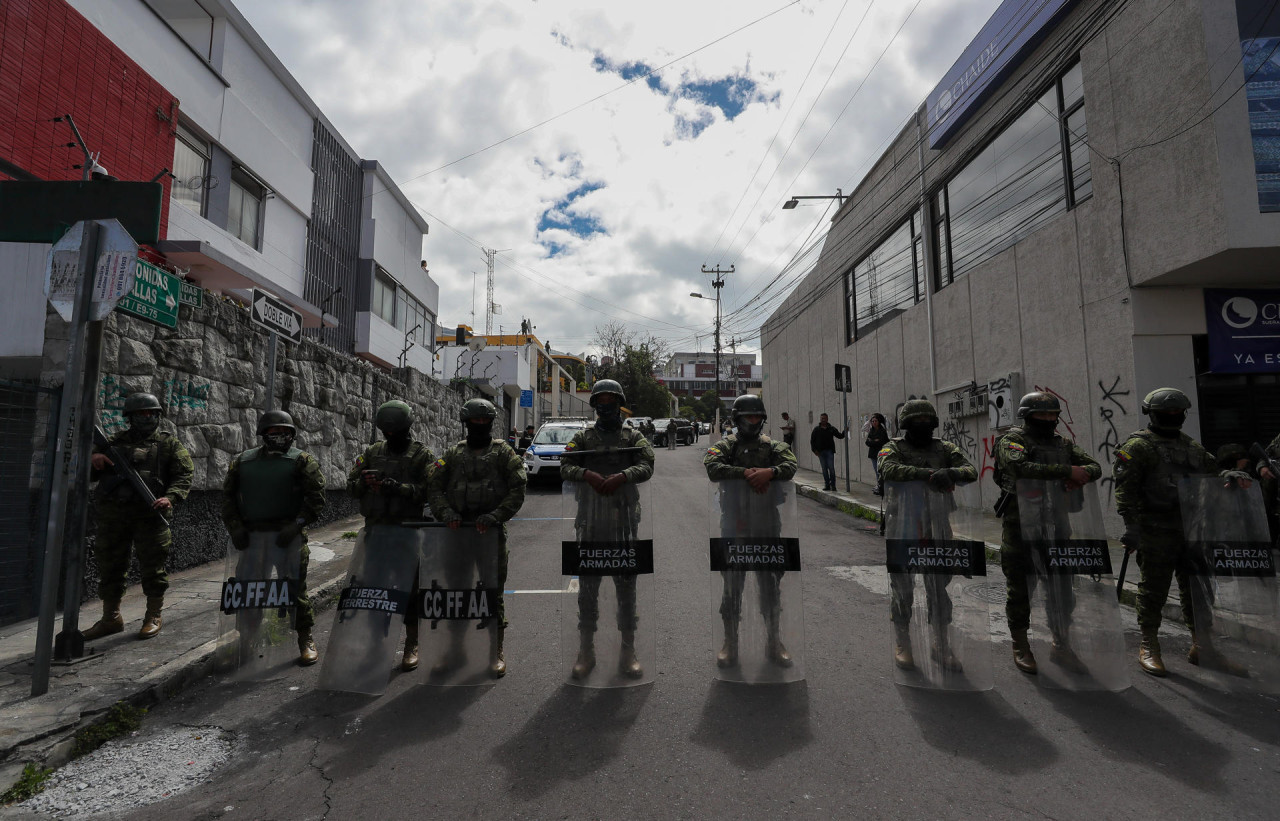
x=28, y=421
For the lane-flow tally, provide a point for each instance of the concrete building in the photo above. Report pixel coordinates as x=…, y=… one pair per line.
x=1069, y=211
x=689, y=375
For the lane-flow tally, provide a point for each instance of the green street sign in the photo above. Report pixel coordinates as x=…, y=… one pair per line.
x=154, y=297
x=191, y=294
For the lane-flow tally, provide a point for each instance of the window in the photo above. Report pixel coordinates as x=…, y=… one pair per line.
x=397, y=306
x=942, y=238
x=245, y=209
x=1075, y=135
x=190, y=170
x=384, y=296
x=886, y=281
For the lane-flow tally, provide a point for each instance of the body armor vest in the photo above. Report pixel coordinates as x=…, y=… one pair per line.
x=396, y=466
x=269, y=486
x=144, y=457
x=477, y=483
x=1178, y=460
x=757, y=454
x=933, y=456
x=1057, y=451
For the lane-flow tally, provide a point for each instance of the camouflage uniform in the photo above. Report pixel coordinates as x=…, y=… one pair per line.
x=1148, y=467
x=164, y=465
x=466, y=483
x=596, y=512
x=1022, y=455
x=900, y=461
x=409, y=469
x=260, y=493
x=729, y=459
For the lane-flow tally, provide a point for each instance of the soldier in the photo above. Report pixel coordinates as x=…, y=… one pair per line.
x=1033, y=450
x=277, y=487
x=918, y=457
x=757, y=459
x=607, y=474
x=390, y=480
x=165, y=467
x=1148, y=467
x=480, y=479
x=672, y=438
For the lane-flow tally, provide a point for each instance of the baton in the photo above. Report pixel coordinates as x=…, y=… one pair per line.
x=1124, y=565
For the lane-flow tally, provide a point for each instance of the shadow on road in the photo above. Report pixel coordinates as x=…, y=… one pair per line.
x=574, y=733
x=754, y=725
x=979, y=726
x=1129, y=726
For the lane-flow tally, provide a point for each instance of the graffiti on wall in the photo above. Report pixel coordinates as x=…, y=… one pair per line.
x=988, y=455
x=111, y=396
x=186, y=394
x=1110, y=434
x=956, y=431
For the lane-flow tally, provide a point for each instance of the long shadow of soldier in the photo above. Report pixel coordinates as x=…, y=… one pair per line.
x=574, y=733
x=979, y=726
x=754, y=725
x=1250, y=713
x=1130, y=726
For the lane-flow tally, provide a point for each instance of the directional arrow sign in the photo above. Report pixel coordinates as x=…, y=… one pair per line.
x=154, y=296
x=274, y=315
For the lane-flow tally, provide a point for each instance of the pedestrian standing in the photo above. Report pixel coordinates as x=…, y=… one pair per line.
x=671, y=434
x=877, y=437
x=125, y=520
x=823, y=444
x=788, y=430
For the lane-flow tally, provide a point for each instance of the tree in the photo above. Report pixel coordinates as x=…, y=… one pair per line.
x=705, y=406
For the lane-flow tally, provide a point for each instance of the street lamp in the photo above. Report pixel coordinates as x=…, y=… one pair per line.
x=839, y=197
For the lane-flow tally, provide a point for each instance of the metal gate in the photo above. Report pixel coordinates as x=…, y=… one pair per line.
x=28, y=419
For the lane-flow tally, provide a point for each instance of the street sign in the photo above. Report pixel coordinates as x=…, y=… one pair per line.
x=526, y=399
x=274, y=315
x=844, y=379
x=154, y=296
x=191, y=294
x=113, y=273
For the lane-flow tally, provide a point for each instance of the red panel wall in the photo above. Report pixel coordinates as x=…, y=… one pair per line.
x=54, y=62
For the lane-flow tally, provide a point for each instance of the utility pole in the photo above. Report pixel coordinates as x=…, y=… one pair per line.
x=717, y=283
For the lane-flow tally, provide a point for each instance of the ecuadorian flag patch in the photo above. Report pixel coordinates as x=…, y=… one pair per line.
x=713, y=451
x=1016, y=446
x=439, y=463
x=884, y=451
x=1122, y=456
x=571, y=446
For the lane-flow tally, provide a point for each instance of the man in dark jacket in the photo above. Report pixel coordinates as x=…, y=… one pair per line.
x=823, y=444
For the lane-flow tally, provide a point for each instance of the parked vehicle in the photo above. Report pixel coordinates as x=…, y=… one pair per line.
x=684, y=432
x=542, y=458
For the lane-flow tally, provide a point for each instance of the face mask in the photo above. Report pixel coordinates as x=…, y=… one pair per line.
x=144, y=424
x=1040, y=427
x=919, y=432
x=398, y=442
x=1167, y=423
x=277, y=442
x=608, y=417
x=479, y=436
x=746, y=430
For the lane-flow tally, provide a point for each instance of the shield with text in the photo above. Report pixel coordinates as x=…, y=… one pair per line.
x=1075, y=633
x=460, y=604
x=373, y=603
x=256, y=639
x=1231, y=563
x=756, y=589
x=936, y=563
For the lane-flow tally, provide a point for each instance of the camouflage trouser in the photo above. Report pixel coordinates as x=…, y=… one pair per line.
x=148, y=533
x=902, y=591
x=589, y=603
x=1162, y=554
x=770, y=584
x=492, y=571
x=1020, y=581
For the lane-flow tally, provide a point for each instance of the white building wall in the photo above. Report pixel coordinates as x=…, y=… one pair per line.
x=22, y=267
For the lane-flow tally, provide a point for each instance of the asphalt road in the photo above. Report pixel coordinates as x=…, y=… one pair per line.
x=845, y=741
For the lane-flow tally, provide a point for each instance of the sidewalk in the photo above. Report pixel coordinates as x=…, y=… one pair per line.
x=122, y=668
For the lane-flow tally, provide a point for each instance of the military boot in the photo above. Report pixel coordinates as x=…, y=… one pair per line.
x=902, y=647
x=628, y=664
x=728, y=655
x=1204, y=654
x=410, y=659
x=1062, y=655
x=586, y=655
x=110, y=623
x=307, y=652
x=774, y=650
x=454, y=656
x=1149, y=653
x=1023, y=658
x=942, y=654
x=151, y=621
x=497, y=664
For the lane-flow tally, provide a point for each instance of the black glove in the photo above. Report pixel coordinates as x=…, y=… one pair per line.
x=1130, y=538
x=487, y=520
x=390, y=486
x=1239, y=478
x=287, y=534
x=941, y=480
x=240, y=539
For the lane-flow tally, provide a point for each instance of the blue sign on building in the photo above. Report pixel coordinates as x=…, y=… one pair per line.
x=1015, y=28
x=526, y=399
x=1244, y=330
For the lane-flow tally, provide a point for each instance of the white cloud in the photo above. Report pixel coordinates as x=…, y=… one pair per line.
x=418, y=85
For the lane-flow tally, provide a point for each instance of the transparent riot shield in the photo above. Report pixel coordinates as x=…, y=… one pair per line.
x=256, y=639
x=936, y=561
x=460, y=604
x=1075, y=633
x=1232, y=566
x=756, y=590
x=371, y=608
x=607, y=625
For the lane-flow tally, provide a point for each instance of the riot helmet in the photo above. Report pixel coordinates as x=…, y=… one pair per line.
x=918, y=419
x=395, y=416
x=1038, y=402
x=133, y=411
x=277, y=442
x=744, y=406
x=1167, y=408
x=608, y=414
x=1229, y=455
x=479, y=434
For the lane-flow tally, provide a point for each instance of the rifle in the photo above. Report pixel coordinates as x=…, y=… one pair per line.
x=1259, y=454
x=120, y=467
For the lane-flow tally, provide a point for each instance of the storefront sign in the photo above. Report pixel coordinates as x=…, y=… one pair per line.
x=1244, y=330
x=1010, y=34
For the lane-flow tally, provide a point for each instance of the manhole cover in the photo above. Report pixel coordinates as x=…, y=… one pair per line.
x=989, y=593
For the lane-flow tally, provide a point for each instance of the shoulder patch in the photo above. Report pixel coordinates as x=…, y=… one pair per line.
x=1122, y=456
x=360, y=460
x=571, y=446
x=439, y=463
x=1011, y=445
x=713, y=451
x=884, y=451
